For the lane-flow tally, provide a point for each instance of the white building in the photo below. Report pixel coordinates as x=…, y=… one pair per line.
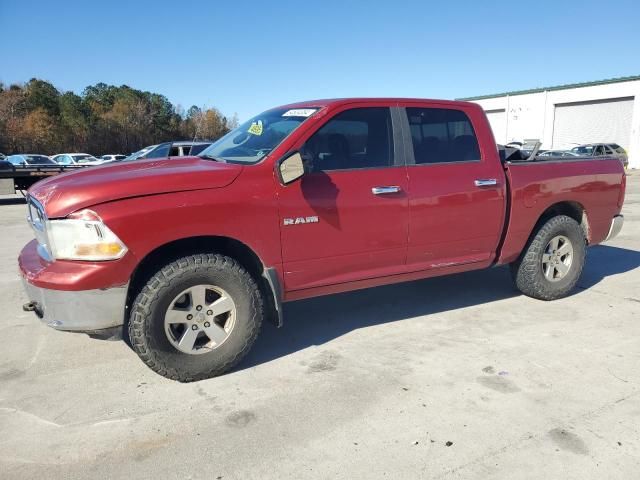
x=562, y=117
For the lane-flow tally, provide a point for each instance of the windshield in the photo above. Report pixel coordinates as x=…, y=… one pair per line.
x=254, y=139
x=139, y=153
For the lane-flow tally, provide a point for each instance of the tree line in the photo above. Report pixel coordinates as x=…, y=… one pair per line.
x=36, y=117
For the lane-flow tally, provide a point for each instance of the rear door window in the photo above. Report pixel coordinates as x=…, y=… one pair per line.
x=442, y=135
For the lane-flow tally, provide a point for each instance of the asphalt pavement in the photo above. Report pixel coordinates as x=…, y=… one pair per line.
x=454, y=377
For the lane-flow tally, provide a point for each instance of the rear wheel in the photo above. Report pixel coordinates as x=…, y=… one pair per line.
x=552, y=262
x=196, y=317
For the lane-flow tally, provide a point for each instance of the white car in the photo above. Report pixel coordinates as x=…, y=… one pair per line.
x=112, y=158
x=75, y=159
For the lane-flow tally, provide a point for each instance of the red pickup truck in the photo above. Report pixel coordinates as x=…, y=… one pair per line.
x=189, y=254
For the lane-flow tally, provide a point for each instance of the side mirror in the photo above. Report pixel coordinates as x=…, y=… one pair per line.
x=291, y=168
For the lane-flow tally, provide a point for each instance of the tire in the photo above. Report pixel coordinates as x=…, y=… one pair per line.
x=172, y=292
x=538, y=280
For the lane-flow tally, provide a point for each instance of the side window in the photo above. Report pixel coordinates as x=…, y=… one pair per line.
x=442, y=135
x=599, y=151
x=607, y=150
x=357, y=138
x=196, y=149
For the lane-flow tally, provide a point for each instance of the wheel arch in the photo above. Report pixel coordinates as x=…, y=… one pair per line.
x=571, y=209
x=265, y=277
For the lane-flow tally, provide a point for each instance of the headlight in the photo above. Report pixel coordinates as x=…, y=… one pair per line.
x=83, y=236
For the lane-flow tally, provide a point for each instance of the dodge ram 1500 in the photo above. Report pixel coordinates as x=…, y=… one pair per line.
x=189, y=255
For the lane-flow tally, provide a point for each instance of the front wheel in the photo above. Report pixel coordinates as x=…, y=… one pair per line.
x=552, y=262
x=196, y=317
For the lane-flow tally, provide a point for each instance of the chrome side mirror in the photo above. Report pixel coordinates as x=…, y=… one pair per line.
x=291, y=168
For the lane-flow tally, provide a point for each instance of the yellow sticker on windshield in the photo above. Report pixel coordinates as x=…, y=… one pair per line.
x=256, y=128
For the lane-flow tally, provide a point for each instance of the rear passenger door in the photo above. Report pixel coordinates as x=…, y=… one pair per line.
x=456, y=191
x=347, y=218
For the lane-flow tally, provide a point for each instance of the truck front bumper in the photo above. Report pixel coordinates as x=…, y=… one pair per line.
x=616, y=226
x=67, y=295
x=77, y=311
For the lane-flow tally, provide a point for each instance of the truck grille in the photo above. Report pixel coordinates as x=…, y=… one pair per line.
x=37, y=218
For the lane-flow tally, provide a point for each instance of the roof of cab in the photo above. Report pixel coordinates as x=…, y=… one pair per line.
x=390, y=100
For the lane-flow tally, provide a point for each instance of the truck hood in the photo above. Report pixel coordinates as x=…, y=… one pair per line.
x=68, y=192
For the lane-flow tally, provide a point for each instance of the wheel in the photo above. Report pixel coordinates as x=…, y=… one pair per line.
x=552, y=261
x=196, y=317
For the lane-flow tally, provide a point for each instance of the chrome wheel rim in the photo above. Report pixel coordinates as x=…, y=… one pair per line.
x=200, y=319
x=557, y=258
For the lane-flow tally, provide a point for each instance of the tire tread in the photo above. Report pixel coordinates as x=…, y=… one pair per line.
x=526, y=270
x=161, y=281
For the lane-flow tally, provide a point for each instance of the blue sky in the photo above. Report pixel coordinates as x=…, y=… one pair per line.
x=246, y=56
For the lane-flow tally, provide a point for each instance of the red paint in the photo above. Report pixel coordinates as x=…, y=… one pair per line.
x=439, y=223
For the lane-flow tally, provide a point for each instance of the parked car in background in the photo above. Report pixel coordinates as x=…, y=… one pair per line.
x=139, y=154
x=29, y=159
x=20, y=174
x=74, y=159
x=111, y=158
x=603, y=150
x=190, y=254
x=169, y=149
x=558, y=153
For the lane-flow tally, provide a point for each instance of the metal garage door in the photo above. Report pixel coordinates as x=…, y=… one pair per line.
x=498, y=122
x=592, y=122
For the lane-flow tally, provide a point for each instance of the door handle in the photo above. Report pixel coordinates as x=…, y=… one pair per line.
x=385, y=190
x=486, y=182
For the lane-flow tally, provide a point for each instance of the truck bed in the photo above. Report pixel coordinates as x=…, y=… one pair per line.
x=594, y=185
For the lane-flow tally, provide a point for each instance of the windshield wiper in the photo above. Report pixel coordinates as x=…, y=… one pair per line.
x=211, y=157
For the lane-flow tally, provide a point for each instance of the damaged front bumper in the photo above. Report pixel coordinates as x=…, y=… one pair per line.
x=78, y=311
x=67, y=295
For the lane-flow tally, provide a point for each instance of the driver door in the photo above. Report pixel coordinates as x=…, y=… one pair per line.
x=346, y=219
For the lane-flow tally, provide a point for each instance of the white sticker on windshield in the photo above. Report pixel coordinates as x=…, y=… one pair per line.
x=299, y=112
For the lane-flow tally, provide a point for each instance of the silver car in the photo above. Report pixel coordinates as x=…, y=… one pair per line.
x=557, y=153
x=30, y=160
x=603, y=150
x=74, y=159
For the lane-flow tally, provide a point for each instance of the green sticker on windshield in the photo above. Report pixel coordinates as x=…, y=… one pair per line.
x=256, y=128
